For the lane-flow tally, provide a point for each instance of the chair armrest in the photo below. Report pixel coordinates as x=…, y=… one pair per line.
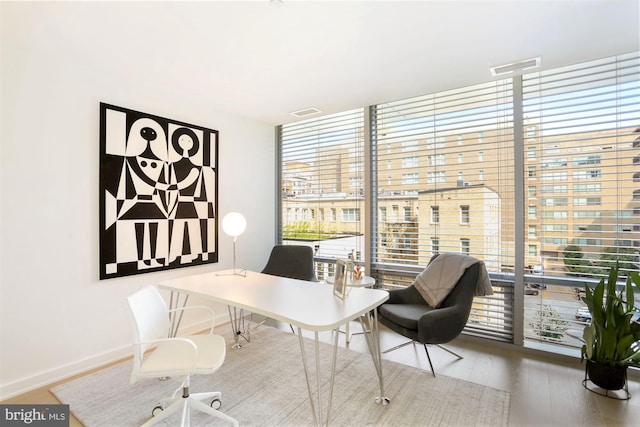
x=180, y=310
x=408, y=295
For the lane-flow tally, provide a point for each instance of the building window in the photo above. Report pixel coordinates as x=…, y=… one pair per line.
x=587, y=188
x=383, y=214
x=411, y=145
x=557, y=201
x=550, y=228
x=553, y=214
x=435, y=215
x=433, y=143
x=586, y=160
x=436, y=177
x=586, y=214
x=587, y=201
x=351, y=215
x=464, y=214
x=436, y=160
x=410, y=162
x=435, y=245
x=531, y=132
x=464, y=246
x=356, y=183
x=407, y=213
x=531, y=153
x=553, y=189
x=560, y=176
x=583, y=175
x=410, y=178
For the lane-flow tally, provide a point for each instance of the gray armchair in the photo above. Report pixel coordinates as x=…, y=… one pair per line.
x=407, y=313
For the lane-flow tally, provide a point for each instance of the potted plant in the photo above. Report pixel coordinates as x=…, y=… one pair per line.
x=612, y=337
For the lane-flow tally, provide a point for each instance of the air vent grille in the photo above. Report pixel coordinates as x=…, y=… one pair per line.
x=514, y=67
x=306, y=112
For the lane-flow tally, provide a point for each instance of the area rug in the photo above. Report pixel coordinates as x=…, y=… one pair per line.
x=263, y=384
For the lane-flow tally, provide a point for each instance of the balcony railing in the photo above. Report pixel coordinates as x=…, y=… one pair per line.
x=554, y=313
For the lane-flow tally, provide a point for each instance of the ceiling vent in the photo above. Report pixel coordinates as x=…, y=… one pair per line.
x=515, y=67
x=306, y=112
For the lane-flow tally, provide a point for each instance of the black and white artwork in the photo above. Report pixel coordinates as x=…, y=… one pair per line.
x=158, y=193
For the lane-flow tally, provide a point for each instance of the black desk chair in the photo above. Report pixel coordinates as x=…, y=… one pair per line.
x=292, y=261
x=407, y=313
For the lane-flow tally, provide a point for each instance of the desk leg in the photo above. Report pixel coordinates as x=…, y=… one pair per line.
x=319, y=413
x=372, y=334
x=236, y=317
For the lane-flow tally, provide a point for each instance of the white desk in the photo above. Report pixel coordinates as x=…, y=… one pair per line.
x=305, y=305
x=364, y=282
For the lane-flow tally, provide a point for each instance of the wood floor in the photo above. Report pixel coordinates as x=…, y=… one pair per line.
x=545, y=390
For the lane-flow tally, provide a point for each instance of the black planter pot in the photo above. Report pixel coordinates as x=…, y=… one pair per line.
x=607, y=377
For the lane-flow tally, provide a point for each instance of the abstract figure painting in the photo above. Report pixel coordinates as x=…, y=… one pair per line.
x=158, y=193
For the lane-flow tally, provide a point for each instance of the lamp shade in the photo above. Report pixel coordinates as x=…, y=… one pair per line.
x=234, y=224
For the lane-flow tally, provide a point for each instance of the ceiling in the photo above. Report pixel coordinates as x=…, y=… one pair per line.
x=265, y=59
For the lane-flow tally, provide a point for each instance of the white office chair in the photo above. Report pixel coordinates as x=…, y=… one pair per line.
x=173, y=357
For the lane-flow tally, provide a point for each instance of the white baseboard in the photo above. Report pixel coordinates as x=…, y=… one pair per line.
x=42, y=379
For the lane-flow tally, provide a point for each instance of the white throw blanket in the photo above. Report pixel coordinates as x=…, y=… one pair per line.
x=442, y=274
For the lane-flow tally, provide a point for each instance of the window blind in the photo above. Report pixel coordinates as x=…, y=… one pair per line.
x=581, y=138
x=444, y=183
x=322, y=186
x=443, y=173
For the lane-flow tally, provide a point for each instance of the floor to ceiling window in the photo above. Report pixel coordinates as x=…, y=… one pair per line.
x=443, y=167
x=322, y=187
x=537, y=175
x=581, y=138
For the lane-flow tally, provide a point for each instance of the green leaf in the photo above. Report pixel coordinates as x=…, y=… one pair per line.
x=611, y=286
x=624, y=345
x=596, y=309
x=589, y=336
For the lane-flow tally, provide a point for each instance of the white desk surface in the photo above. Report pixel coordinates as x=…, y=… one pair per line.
x=308, y=305
x=365, y=282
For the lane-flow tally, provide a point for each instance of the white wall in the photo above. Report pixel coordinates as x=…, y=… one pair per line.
x=56, y=316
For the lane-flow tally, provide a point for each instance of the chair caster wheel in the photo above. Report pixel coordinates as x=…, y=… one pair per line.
x=156, y=411
x=216, y=404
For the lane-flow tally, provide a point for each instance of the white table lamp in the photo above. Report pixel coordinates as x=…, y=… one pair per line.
x=234, y=224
